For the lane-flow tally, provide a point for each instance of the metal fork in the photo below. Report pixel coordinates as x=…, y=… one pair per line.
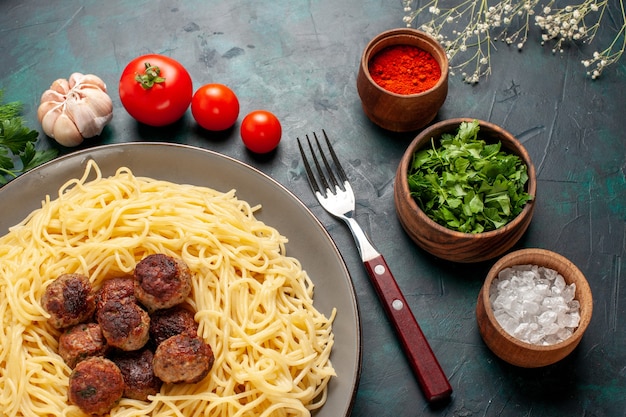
x=336, y=196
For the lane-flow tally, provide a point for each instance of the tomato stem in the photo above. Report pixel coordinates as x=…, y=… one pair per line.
x=151, y=76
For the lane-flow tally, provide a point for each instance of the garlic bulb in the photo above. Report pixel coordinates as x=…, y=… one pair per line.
x=75, y=109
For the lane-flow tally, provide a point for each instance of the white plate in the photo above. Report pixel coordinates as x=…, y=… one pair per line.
x=308, y=240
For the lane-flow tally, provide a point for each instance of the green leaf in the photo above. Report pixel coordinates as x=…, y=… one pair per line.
x=490, y=150
x=419, y=158
x=468, y=131
x=10, y=110
x=475, y=204
x=6, y=162
x=17, y=142
x=499, y=201
x=461, y=164
x=467, y=184
x=39, y=158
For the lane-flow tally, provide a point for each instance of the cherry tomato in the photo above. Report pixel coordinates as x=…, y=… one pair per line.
x=155, y=89
x=215, y=107
x=261, y=131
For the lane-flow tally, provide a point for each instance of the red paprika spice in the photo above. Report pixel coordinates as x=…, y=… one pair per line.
x=404, y=69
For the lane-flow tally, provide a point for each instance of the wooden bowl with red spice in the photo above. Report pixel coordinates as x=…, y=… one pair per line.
x=532, y=348
x=403, y=79
x=444, y=242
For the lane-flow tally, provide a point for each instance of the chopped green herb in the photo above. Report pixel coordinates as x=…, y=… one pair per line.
x=17, y=142
x=466, y=184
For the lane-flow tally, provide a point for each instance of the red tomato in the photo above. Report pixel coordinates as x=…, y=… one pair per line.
x=261, y=131
x=215, y=107
x=164, y=94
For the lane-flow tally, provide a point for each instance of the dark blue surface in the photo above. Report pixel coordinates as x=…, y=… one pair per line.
x=299, y=60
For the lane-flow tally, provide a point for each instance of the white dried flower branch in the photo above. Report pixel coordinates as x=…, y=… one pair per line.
x=469, y=30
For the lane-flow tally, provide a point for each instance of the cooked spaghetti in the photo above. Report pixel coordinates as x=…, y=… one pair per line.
x=253, y=303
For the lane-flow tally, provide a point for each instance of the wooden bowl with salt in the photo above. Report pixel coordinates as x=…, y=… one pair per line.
x=446, y=243
x=510, y=348
x=426, y=62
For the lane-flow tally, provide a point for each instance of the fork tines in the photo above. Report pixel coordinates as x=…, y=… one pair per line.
x=330, y=173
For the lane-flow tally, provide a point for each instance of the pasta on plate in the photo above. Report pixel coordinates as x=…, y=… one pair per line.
x=253, y=303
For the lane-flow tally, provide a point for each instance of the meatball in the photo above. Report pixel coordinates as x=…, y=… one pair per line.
x=183, y=358
x=124, y=324
x=69, y=300
x=96, y=385
x=80, y=342
x=138, y=373
x=170, y=322
x=115, y=289
x=161, y=281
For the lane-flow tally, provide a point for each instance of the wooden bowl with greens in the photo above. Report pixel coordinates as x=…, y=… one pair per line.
x=465, y=190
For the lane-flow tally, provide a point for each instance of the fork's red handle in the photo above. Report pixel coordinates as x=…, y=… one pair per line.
x=429, y=374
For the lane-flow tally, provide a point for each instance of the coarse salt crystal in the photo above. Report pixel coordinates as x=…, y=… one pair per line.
x=534, y=304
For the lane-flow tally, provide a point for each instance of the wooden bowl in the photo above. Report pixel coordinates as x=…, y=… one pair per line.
x=449, y=244
x=402, y=112
x=511, y=349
